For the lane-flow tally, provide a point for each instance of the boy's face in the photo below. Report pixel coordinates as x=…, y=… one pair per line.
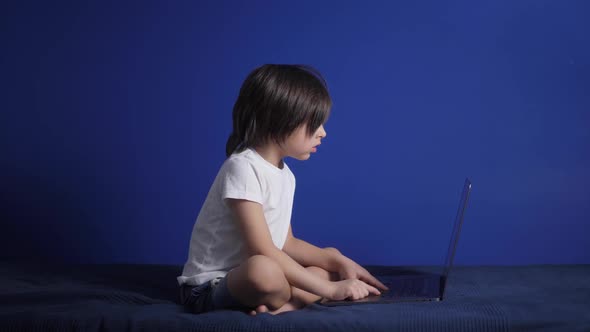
x=300, y=146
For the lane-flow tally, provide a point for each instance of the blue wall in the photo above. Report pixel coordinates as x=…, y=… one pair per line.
x=115, y=118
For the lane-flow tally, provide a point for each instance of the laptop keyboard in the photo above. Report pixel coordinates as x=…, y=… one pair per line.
x=407, y=287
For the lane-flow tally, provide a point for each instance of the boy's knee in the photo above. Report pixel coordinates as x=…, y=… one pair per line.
x=267, y=277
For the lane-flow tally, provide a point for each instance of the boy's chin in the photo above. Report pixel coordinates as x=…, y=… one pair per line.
x=304, y=156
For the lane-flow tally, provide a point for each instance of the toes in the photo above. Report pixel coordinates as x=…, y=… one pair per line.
x=260, y=309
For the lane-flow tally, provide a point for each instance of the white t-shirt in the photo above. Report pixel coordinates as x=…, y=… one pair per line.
x=216, y=244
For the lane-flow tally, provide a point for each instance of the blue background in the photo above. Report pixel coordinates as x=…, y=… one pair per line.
x=115, y=117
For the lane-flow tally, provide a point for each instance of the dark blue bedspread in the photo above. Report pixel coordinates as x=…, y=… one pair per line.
x=143, y=297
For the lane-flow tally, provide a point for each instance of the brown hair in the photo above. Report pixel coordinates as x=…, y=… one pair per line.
x=275, y=100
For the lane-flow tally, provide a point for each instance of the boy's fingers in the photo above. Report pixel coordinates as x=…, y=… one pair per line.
x=374, y=290
x=378, y=283
x=381, y=285
x=371, y=289
x=373, y=281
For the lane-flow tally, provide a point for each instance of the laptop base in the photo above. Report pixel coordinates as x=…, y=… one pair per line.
x=376, y=299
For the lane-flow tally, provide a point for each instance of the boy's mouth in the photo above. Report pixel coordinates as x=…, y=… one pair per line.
x=315, y=148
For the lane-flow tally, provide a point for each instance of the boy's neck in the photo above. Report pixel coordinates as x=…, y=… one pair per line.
x=271, y=153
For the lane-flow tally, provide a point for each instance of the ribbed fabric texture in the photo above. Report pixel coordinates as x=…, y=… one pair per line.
x=145, y=298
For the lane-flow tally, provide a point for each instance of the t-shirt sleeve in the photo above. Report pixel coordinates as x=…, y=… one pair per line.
x=241, y=182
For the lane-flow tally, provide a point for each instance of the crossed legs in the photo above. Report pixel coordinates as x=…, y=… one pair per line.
x=260, y=283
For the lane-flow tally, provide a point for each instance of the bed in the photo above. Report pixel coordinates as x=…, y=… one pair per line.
x=127, y=297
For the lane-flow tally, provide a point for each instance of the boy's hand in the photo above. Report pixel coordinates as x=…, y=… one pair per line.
x=351, y=289
x=349, y=269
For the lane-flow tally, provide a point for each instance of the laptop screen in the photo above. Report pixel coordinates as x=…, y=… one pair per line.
x=457, y=227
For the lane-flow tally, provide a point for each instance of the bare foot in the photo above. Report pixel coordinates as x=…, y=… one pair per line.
x=259, y=309
x=289, y=306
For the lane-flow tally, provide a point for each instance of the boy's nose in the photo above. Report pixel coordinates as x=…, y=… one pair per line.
x=323, y=133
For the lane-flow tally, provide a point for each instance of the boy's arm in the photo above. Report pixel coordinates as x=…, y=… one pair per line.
x=330, y=259
x=307, y=254
x=250, y=219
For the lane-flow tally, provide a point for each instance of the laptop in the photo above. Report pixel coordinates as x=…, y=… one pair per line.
x=413, y=284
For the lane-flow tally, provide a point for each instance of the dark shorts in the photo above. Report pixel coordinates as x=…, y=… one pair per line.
x=209, y=296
